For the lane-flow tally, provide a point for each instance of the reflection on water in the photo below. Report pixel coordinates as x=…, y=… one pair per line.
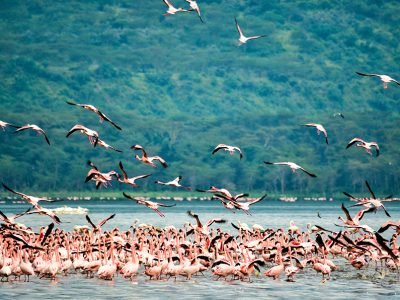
x=345, y=283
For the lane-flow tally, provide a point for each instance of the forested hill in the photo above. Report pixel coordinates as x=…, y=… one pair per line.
x=179, y=87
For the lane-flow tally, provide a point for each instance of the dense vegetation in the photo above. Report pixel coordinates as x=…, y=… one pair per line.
x=179, y=87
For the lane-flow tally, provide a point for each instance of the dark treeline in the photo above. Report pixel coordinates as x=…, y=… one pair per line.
x=179, y=87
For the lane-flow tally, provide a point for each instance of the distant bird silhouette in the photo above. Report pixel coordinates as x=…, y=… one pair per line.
x=338, y=114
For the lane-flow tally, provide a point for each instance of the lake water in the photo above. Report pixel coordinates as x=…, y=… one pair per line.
x=344, y=284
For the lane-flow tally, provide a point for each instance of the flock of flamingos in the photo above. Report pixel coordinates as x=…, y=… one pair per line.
x=164, y=253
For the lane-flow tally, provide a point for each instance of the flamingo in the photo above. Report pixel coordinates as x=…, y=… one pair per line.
x=30, y=199
x=102, y=116
x=172, y=10
x=150, y=204
x=175, y=183
x=130, y=181
x=34, y=128
x=245, y=206
x=231, y=149
x=384, y=78
x=97, y=228
x=102, y=143
x=242, y=38
x=204, y=229
x=91, y=134
x=372, y=204
x=44, y=211
x=366, y=145
x=292, y=166
x=195, y=7
x=319, y=128
x=148, y=159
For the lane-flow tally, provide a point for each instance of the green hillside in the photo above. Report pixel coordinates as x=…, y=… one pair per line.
x=179, y=87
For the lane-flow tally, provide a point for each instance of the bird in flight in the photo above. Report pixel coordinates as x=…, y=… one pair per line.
x=363, y=144
x=94, y=109
x=127, y=180
x=384, y=78
x=34, y=128
x=242, y=38
x=195, y=7
x=175, y=182
x=150, y=204
x=319, y=128
x=230, y=149
x=292, y=166
x=92, y=135
x=148, y=159
x=172, y=10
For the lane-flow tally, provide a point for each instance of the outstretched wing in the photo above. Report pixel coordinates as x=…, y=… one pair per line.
x=108, y=120
x=364, y=74
x=102, y=222
x=346, y=212
x=308, y=173
x=123, y=171
x=355, y=140
x=238, y=28
x=90, y=221
x=12, y=191
x=370, y=190
x=219, y=147
x=47, y=233
x=165, y=205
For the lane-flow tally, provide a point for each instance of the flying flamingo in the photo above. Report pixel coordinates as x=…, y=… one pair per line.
x=175, y=183
x=102, y=116
x=91, y=134
x=148, y=159
x=195, y=7
x=291, y=165
x=384, y=78
x=231, y=149
x=97, y=228
x=127, y=180
x=34, y=128
x=102, y=143
x=366, y=145
x=150, y=204
x=242, y=38
x=319, y=128
x=171, y=9
x=30, y=199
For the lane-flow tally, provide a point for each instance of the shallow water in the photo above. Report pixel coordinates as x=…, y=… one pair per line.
x=345, y=283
